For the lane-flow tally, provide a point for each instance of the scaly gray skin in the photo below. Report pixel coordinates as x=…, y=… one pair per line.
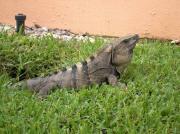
x=105, y=66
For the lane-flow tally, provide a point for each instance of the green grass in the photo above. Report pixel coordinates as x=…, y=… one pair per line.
x=151, y=104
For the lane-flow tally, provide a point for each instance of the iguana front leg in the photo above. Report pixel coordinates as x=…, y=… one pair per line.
x=112, y=80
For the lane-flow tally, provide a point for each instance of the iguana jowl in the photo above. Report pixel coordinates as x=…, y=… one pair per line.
x=105, y=66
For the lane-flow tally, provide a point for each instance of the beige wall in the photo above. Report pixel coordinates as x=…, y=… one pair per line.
x=149, y=18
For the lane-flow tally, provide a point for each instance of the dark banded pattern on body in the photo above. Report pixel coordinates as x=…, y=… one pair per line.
x=85, y=72
x=73, y=74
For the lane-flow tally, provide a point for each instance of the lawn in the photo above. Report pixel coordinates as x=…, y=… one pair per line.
x=151, y=104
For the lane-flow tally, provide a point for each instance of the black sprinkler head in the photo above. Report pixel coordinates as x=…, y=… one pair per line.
x=20, y=23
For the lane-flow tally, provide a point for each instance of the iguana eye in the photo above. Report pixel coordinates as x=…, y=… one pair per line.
x=125, y=41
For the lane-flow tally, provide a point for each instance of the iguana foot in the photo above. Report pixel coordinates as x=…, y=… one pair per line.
x=112, y=80
x=122, y=85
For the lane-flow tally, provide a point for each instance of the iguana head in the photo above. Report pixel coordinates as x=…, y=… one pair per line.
x=122, y=51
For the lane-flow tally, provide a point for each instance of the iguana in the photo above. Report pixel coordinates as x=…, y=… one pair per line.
x=104, y=66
